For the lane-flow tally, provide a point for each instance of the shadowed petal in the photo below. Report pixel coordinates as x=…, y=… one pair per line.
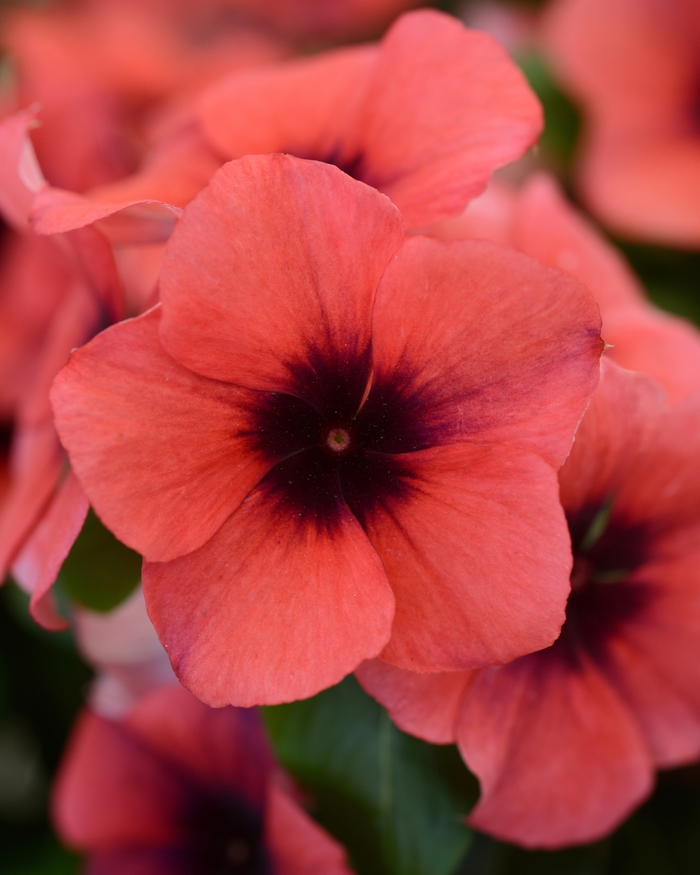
x=145, y=795
x=653, y=661
x=297, y=844
x=558, y=755
x=307, y=107
x=36, y=567
x=424, y=704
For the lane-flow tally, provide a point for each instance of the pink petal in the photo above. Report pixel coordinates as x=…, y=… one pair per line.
x=477, y=553
x=277, y=260
x=558, y=755
x=497, y=347
x=20, y=177
x=297, y=844
x=424, y=704
x=431, y=139
x=40, y=559
x=654, y=661
x=274, y=607
x=163, y=454
x=141, y=220
x=307, y=107
x=621, y=420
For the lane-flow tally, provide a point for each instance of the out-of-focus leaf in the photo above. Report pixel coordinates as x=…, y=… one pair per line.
x=45, y=857
x=100, y=572
x=395, y=802
x=562, y=119
x=671, y=277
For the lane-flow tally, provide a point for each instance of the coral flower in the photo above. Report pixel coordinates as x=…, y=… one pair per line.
x=324, y=430
x=176, y=788
x=425, y=116
x=99, y=71
x=565, y=741
x=56, y=295
x=633, y=65
x=538, y=221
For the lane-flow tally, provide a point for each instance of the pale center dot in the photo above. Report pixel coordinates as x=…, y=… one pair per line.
x=338, y=440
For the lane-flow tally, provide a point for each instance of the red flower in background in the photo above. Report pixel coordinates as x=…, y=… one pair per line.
x=104, y=72
x=425, y=116
x=565, y=741
x=57, y=294
x=633, y=65
x=323, y=438
x=175, y=787
x=538, y=221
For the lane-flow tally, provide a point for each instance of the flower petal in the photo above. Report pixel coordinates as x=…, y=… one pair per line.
x=477, y=552
x=424, y=704
x=35, y=468
x=431, y=139
x=142, y=220
x=276, y=261
x=306, y=107
x=654, y=661
x=297, y=843
x=490, y=346
x=559, y=757
x=36, y=567
x=163, y=454
x=275, y=607
x=112, y=790
x=621, y=420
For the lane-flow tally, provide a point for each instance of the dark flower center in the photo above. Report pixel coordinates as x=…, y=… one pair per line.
x=604, y=595
x=341, y=444
x=226, y=838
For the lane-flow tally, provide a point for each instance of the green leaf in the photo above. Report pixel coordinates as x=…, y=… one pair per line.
x=100, y=572
x=562, y=119
x=396, y=803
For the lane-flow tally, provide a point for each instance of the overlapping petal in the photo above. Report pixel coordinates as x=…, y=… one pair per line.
x=164, y=438
x=274, y=607
x=257, y=320
x=516, y=342
x=477, y=554
x=427, y=140
x=527, y=731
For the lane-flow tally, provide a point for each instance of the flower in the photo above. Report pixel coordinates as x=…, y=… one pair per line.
x=537, y=220
x=175, y=787
x=565, y=741
x=57, y=294
x=101, y=72
x=324, y=437
x=425, y=116
x=633, y=67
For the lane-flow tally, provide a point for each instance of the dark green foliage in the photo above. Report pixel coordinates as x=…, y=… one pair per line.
x=100, y=572
x=395, y=802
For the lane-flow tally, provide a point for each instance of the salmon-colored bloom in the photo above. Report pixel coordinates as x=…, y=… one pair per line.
x=425, y=116
x=565, y=741
x=323, y=431
x=633, y=66
x=176, y=788
x=102, y=70
x=57, y=294
x=538, y=221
